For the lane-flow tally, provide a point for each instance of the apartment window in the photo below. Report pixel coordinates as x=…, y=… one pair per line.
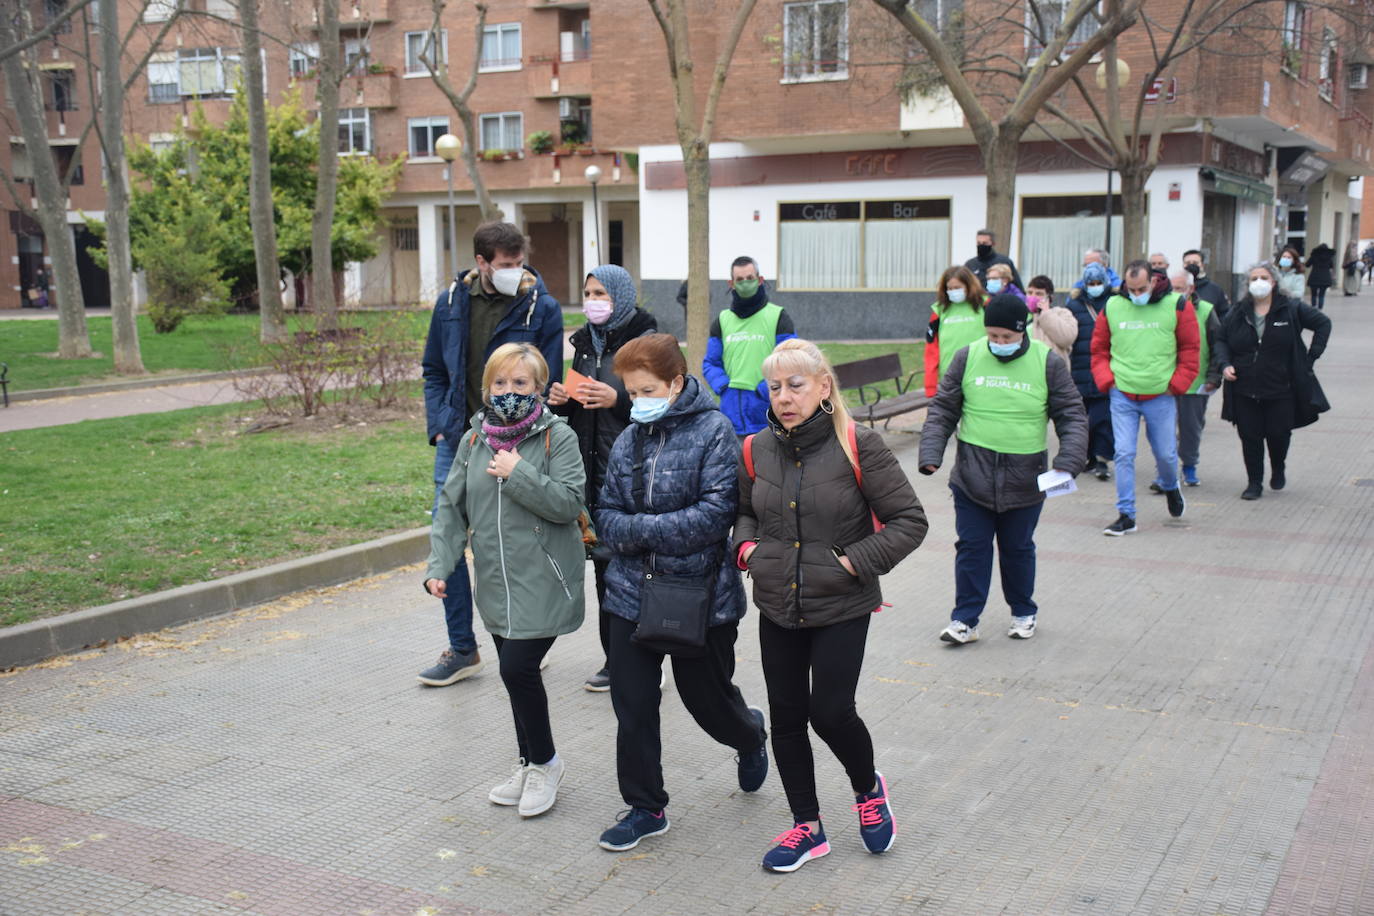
x=53, y=9
x=225, y=9
x=61, y=90
x=20, y=169
x=816, y=40
x=1055, y=231
x=1326, y=66
x=355, y=130
x=576, y=45
x=163, y=85
x=1294, y=30
x=63, y=156
x=206, y=71
x=505, y=131
x=405, y=238
x=161, y=143
x=160, y=10
x=304, y=58
x=357, y=56
x=938, y=12
x=1045, y=19
x=420, y=44
x=851, y=244
x=501, y=47
x=423, y=133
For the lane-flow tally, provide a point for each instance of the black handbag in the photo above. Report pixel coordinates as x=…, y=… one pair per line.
x=673, y=610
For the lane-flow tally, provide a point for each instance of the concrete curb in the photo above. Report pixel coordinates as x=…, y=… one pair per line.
x=165, y=381
x=33, y=642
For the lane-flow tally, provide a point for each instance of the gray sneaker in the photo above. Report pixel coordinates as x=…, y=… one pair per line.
x=451, y=668
x=599, y=682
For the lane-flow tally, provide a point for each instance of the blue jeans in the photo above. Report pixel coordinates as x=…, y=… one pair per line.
x=458, y=604
x=1014, y=531
x=1161, y=416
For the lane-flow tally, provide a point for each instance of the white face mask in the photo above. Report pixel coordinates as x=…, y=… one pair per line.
x=1261, y=289
x=507, y=280
x=956, y=294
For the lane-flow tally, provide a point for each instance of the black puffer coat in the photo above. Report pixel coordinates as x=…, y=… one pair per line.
x=1085, y=309
x=598, y=429
x=803, y=502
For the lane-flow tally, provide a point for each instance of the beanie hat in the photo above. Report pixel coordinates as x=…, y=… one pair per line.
x=1005, y=310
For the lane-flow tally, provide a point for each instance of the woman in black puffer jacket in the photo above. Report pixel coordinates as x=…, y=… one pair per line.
x=600, y=410
x=824, y=511
x=674, y=522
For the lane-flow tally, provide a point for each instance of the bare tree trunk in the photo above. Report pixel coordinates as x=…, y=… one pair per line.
x=327, y=174
x=260, y=213
x=438, y=72
x=1133, y=179
x=21, y=76
x=999, y=161
x=698, y=169
x=128, y=360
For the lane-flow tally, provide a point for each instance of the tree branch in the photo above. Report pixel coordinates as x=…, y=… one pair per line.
x=727, y=54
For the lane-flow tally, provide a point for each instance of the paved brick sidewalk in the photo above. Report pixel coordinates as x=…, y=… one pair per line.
x=1190, y=732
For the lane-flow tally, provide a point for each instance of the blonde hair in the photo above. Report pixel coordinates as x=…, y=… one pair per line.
x=506, y=354
x=1001, y=270
x=801, y=357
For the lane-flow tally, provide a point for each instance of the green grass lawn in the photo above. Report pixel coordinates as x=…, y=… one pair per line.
x=103, y=510
x=200, y=344
x=911, y=354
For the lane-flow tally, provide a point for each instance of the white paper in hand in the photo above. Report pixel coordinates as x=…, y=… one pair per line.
x=1056, y=483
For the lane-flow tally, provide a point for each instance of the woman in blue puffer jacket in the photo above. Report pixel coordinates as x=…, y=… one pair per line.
x=676, y=522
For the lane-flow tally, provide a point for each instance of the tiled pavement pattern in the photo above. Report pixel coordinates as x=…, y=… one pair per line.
x=1191, y=731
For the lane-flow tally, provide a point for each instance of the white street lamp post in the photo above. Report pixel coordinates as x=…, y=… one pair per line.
x=593, y=175
x=447, y=148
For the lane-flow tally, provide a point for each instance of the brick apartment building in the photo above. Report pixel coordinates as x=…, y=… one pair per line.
x=847, y=195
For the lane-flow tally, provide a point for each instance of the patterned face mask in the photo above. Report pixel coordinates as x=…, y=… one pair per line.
x=511, y=407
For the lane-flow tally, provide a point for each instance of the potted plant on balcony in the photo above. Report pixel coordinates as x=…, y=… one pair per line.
x=539, y=142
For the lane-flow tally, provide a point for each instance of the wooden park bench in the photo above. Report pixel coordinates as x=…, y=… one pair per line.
x=865, y=374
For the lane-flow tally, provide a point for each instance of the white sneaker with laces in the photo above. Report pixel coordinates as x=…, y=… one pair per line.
x=541, y=787
x=1022, y=627
x=959, y=633
x=509, y=792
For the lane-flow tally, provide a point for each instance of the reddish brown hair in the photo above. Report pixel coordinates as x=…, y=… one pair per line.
x=658, y=354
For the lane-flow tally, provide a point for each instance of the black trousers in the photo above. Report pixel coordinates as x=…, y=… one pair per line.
x=707, y=690
x=1101, y=443
x=599, y=568
x=812, y=674
x=1260, y=423
x=529, y=704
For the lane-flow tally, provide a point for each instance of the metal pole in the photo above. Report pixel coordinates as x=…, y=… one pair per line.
x=452, y=227
x=1108, y=247
x=596, y=215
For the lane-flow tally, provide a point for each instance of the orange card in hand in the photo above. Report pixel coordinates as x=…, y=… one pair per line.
x=572, y=381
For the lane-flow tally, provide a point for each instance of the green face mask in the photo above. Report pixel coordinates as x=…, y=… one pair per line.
x=746, y=288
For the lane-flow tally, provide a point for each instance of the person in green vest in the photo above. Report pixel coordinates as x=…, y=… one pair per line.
x=741, y=338
x=955, y=321
x=1192, y=407
x=1144, y=354
x=1000, y=391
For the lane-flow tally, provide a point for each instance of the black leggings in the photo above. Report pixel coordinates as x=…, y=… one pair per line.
x=1260, y=423
x=529, y=704
x=812, y=674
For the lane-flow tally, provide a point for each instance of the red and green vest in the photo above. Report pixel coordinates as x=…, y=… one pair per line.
x=1006, y=404
x=1204, y=356
x=960, y=325
x=746, y=343
x=1144, y=348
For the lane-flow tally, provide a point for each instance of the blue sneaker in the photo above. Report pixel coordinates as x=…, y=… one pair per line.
x=875, y=818
x=633, y=826
x=1190, y=475
x=753, y=766
x=795, y=848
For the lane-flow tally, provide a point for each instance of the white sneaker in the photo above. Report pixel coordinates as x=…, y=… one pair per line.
x=1022, y=627
x=509, y=792
x=541, y=787
x=959, y=633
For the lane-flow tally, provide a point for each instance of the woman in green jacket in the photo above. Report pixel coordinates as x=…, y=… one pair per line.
x=515, y=489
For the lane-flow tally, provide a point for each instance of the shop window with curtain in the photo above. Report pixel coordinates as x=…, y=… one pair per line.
x=876, y=244
x=1055, y=231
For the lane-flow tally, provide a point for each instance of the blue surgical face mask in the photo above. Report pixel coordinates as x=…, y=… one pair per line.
x=956, y=295
x=994, y=286
x=1285, y=262
x=1142, y=299
x=1001, y=349
x=1095, y=290
x=651, y=410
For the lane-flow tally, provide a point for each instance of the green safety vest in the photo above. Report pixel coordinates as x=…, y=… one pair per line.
x=960, y=325
x=1144, y=349
x=1006, y=404
x=746, y=343
x=1204, y=355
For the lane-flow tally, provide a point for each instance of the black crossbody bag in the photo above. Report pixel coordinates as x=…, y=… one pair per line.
x=673, y=610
